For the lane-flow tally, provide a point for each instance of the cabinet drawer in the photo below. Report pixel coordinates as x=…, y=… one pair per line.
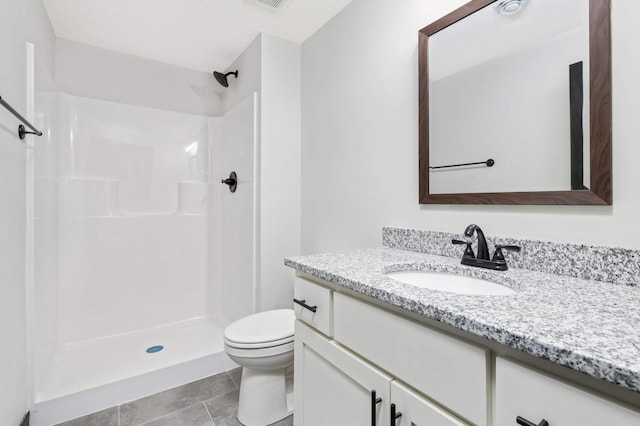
x=448, y=370
x=534, y=396
x=317, y=297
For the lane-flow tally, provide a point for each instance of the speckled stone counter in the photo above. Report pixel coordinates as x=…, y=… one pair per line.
x=589, y=326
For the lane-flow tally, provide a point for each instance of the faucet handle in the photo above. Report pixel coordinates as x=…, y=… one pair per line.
x=468, y=251
x=499, y=256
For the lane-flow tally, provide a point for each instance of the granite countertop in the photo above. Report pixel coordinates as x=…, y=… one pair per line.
x=589, y=326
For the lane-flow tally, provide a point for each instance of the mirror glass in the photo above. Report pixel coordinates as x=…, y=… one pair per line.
x=508, y=117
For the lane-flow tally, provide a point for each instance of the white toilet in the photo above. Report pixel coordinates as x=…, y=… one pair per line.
x=262, y=344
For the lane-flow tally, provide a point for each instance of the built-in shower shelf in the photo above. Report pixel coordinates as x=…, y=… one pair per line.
x=106, y=198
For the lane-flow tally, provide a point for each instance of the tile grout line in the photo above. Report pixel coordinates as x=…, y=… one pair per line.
x=168, y=414
x=146, y=422
x=236, y=387
x=208, y=413
x=232, y=379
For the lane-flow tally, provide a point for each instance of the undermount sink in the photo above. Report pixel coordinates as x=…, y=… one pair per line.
x=451, y=283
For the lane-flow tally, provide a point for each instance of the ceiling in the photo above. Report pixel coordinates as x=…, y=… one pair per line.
x=487, y=35
x=203, y=35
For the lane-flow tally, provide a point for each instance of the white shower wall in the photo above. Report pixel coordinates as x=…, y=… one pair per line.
x=46, y=325
x=134, y=233
x=131, y=255
x=238, y=211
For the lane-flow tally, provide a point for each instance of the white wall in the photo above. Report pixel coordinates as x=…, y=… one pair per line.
x=522, y=122
x=98, y=73
x=249, y=67
x=271, y=67
x=19, y=22
x=280, y=169
x=237, y=211
x=360, y=141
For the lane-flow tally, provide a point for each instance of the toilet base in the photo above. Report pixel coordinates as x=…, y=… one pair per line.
x=265, y=396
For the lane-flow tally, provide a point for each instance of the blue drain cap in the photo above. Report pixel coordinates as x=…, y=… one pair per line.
x=154, y=349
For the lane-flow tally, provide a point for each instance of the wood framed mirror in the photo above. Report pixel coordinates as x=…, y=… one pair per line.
x=483, y=95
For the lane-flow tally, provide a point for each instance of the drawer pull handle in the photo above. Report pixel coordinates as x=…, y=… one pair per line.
x=394, y=416
x=374, y=402
x=524, y=422
x=304, y=305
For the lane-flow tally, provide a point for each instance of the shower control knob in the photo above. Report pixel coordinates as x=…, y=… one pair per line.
x=232, y=181
x=524, y=422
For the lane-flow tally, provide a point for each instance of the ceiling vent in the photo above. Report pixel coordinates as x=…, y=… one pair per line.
x=271, y=4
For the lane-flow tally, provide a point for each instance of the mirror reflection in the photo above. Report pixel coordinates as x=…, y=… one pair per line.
x=508, y=99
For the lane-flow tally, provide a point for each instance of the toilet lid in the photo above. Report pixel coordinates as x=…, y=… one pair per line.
x=263, y=327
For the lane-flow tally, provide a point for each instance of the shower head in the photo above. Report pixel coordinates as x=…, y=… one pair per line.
x=222, y=78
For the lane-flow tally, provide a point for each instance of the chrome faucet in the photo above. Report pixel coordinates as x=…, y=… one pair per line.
x=482, y=260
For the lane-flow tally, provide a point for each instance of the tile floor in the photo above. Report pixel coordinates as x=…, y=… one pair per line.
x=212, y=401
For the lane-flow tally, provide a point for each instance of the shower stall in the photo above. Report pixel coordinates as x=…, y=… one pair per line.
x=141, y=255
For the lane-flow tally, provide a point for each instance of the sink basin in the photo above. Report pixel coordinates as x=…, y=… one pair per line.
x=451, y=283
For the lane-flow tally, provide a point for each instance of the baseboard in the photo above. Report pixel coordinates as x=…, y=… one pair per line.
x=64, y=408
x=25, y=419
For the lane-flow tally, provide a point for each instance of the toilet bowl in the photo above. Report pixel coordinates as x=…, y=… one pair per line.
x=262, y=344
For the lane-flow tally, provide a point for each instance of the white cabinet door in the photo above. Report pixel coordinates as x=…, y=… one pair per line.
x=413, y=409
x=534, y=396
x=334, y=387
x=447, y=369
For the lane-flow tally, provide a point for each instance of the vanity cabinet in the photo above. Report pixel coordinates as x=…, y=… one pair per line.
x=421, y=376
x=447, y=369
x=416, y=410
x=335, y=387
x=535, y=396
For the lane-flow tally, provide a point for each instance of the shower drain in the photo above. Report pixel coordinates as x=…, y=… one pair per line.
x=154, y=349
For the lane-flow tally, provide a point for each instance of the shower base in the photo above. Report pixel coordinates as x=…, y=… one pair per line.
x=94, y=375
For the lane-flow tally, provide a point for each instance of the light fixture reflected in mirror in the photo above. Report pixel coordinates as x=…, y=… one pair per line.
x=509, y=7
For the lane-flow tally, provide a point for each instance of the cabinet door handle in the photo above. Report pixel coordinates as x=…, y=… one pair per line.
x=375, y=400
x=524, y=422
x=394, y=416
x=304, y=305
